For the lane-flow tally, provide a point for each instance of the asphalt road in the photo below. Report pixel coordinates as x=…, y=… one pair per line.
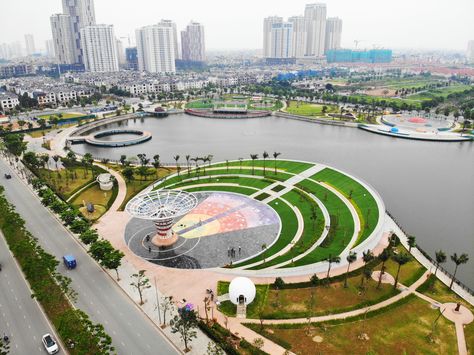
x=98, y=295
x=20, y=316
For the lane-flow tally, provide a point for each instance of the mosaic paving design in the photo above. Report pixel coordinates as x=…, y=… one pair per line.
x=208, y=233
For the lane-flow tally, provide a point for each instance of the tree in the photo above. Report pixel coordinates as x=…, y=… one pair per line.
x=100, y=249
x=265, y=156
x=56, y=159
x=258, y=343
x=123, y=160
x=187, y=163
x=167, y=305
x=411, y=242
x=14, y=144
x=113, y=260
x=176, y=158
x=400, y=259
x=141, y=283
x=350, y=259
x=278, y=283
x=71, y=156
x=458, y=260
x=89, y=236
x=185, y=323
x=214, y=349
x=383, y=257
x=253, y=157
x=275, y=156
x=128, y=174
x=68, y=216
x=330, y=260
x=314, y=280
x=440, y=258
x=367, y=256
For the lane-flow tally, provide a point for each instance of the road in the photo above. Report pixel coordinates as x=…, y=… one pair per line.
x=98, y=294
x=20, y=315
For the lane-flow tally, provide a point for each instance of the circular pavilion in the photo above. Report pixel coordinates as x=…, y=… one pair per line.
x=162, y=207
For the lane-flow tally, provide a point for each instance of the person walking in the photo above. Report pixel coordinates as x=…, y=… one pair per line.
x=149, y=249
x=240, y=249
x=228, y=251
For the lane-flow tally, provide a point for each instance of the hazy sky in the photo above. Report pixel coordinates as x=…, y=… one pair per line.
x=427, y=24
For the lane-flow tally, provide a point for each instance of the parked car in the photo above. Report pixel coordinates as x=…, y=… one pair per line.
x=50, y=344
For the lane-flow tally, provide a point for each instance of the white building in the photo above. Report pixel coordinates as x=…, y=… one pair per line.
x=81, y=14
x=300, y=36
x=470, y=51
x=120, y=52
x=333, y=33
x=63, y=39
x=193, y=43
x=267, y=34
x=155, y=49
x=169, y=23
x=30, y=44
x=315, y=15
x=8, y=101
x=49, y=44
x=99, y=48
x=282, y=40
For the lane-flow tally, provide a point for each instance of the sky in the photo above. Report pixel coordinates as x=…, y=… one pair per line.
x=396, y=24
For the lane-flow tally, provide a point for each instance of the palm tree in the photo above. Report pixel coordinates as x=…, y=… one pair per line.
x=330, y=260
x=367, y=256
x=400, y=259
x=56, y=159
x=253, y=157
x=71, y=156
x=411, y=242
x=176, y=158
x=123, y=159
x=187, y=162
x=458, y=260
x=350, y=259
x=383, y=257
x=275, y=156
x=87, y=160
x=204, y=161
x=209, y=159
x=440, y=258
x=240, y=161
x=265, y=156
x=264, y=247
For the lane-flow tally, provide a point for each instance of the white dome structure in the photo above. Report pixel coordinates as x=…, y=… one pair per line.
x=105, y=181
x=241, y=291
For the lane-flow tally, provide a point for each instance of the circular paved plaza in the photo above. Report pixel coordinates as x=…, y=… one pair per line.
x=222, y=229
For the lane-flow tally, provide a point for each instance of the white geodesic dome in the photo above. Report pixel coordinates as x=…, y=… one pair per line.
x=242, y=288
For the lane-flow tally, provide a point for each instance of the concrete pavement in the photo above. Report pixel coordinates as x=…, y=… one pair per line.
x=131, y=331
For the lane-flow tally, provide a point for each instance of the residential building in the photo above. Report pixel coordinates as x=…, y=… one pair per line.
x=99, y=48
x=131, y=58
x=267, y=33
x=315, y=15
x=193, y=43
x=30, y=44
x=16, y=69
x=81, y=14
x=282, y=40
x=120, y=53
x=49, y=44
x=63, y=39
x=169, y=23
x=300, y=36
x=8, y=101
x=470, y=52
x=333, y=33
x=155, y=49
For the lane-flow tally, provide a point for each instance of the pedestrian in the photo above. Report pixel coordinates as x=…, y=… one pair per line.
x=240, y=249
x=147, y=238
x=149, y=249
x=228, y=251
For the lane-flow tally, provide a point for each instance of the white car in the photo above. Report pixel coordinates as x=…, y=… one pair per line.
x=50, y=344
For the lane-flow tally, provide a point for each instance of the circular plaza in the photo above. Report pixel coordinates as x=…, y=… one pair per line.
x=257, y=218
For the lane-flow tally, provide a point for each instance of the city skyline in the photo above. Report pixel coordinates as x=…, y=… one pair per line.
x=373, y=23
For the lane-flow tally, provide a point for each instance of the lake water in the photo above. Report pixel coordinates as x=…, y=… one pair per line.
x=427, y=186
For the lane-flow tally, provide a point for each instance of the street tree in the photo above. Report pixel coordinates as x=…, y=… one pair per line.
x=141, y=283
x=350, y=259
x=185, y=323
x=401, y=259
x=440, y=258
x=458, y=260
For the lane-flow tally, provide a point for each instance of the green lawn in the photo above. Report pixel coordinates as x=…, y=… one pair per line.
x=288, y=230
x=403, y=328
x=311, y=232
x=309, y=109
x=200, y=104
x=64, y=115
x=294, y=167
x=96, y=196
x=361, y=199
x=235, y=189
x=341, y=228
